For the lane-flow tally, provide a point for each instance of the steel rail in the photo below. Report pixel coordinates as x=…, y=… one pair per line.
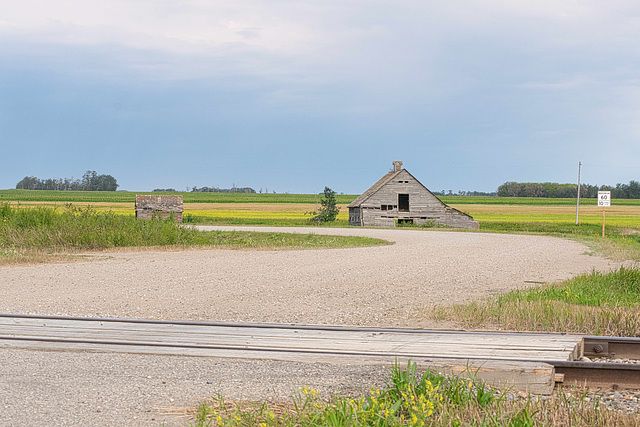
x=603, y=375
x=612, y=347
x=276, y=325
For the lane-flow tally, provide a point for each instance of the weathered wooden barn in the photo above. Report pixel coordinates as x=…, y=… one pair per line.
x=398, y=197
x=162, y=206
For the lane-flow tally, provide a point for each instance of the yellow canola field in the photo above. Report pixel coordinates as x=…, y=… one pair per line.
x=625, y=216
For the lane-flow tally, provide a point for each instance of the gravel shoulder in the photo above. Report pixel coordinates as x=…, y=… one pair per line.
x=381, y=286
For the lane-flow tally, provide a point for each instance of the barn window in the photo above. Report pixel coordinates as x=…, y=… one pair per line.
x=403, y=202
x=387, y=207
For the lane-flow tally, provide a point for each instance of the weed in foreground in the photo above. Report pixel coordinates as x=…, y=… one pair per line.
x=410, y=399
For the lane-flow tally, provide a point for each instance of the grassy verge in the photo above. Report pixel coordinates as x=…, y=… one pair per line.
x=430, y=399
x=27, y=235
x=620, y=243
x=595, y=304
x=268, y=220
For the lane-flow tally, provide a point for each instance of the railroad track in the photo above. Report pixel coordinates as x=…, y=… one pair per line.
x=487, y=351
x=609, y=375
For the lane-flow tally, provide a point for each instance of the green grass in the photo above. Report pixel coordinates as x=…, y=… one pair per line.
x=410, y=399
x=617, y=288
x=73, y=229
x=238, y=218
x=595, y=303
x=617, y=245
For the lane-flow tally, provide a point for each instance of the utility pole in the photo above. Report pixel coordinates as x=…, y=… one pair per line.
x=578, y=204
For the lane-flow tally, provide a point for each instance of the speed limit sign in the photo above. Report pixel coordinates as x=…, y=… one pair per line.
x=604, y=199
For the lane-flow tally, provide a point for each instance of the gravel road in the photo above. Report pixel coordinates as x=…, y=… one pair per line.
x=381, y=286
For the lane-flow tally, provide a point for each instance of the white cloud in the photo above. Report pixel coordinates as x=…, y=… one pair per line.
x=365, y=36
x=174, y=26
x=385, y=53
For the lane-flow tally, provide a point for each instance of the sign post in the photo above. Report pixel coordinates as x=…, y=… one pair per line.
x=604, y=200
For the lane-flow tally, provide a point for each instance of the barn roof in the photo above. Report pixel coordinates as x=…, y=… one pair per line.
x=374, y=188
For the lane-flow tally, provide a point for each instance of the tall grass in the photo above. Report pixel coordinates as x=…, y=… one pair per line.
x=595, y=303
x=409, y=399
x=87, y=229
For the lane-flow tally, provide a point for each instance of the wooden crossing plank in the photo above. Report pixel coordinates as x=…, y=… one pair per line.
x=463, y=344
x=301, y=341
x=505, y=350
x=537, y=340
x=284, y=330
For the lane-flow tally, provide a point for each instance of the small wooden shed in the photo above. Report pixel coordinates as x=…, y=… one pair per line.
x=162, y=206
x=398, y=197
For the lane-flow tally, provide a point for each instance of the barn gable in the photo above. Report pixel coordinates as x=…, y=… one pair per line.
x=399, y=197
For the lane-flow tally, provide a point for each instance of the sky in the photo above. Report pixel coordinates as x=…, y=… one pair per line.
x=293, y=96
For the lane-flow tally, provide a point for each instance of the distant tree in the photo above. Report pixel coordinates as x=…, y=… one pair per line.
x=328, y=210
x=90, y=181
x=222, y=190
x=634, y=190
x=27, y=183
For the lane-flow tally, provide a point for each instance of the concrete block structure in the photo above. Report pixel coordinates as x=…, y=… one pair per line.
x=161, y=206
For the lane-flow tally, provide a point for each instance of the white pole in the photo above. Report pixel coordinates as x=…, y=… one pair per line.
x=578, y=204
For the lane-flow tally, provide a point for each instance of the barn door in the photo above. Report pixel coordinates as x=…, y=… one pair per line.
x=403, y=202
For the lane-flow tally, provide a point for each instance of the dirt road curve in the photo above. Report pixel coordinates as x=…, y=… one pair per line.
x=366, y=286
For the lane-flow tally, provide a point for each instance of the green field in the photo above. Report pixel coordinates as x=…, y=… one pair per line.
x=130, y=196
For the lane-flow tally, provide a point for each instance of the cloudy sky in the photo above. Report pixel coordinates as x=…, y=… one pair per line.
x=295, y=95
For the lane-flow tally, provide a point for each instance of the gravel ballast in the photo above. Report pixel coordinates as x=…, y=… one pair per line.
x=377, y=286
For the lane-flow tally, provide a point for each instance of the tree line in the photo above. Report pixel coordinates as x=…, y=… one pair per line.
x=464, y=193
x=234, y=189
x=555, y=190
x=90, y=181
